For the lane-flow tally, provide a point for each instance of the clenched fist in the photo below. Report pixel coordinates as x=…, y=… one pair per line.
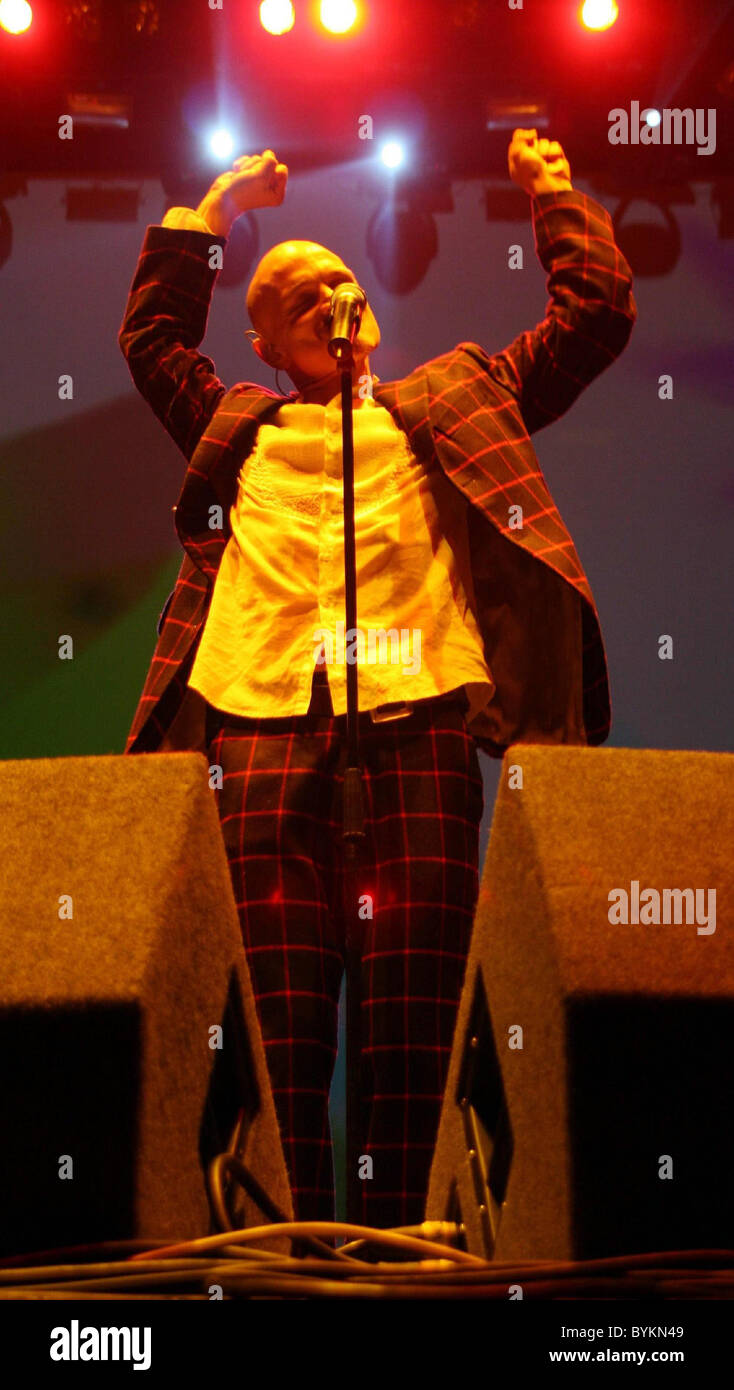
x=538, y=166
x=254, y=181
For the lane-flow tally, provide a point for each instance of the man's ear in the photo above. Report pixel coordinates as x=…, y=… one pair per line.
x=265, y=351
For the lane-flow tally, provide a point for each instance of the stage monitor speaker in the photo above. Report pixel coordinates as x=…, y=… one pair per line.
x=130, y=1048
x=589, y=1107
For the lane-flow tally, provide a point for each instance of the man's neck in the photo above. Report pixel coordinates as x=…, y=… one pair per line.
x=325, y=389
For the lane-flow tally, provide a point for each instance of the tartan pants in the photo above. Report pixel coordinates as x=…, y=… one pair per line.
x=280, y=809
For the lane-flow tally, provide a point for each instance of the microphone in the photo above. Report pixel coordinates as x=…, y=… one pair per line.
x=347, y=303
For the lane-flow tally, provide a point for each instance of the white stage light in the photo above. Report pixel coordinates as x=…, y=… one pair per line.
x=221, y=144
x=392, y=154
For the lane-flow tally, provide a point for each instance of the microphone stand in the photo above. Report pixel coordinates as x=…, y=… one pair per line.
x=353, y=835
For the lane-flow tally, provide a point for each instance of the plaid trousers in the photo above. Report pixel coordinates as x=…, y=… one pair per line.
x=280, y=809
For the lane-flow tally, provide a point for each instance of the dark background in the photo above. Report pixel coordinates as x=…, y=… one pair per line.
x=87, y=485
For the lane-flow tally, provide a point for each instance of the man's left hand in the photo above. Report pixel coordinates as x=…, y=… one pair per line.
x=538, y=166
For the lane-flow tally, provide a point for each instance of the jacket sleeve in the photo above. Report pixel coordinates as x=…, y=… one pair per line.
x=165, y=320
x=589, y=315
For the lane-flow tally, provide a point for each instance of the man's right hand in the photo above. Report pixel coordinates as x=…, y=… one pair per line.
x=538, y=166
x=254, y=181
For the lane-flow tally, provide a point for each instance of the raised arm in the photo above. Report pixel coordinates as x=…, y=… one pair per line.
x=591, y=309
x=168, y=304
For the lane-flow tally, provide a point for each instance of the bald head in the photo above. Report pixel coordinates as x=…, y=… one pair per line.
x=289, y=303
x=273, y=276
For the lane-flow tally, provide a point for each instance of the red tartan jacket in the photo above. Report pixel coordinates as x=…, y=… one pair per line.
x=472, y=412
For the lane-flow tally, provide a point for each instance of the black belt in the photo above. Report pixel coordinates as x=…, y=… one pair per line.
x=395, y=709
x=401, y=709
x=321, y=705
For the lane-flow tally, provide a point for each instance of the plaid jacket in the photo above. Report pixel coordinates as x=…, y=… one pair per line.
x=472, y=412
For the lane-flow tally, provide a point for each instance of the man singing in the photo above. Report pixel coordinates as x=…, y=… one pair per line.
x=458, y=544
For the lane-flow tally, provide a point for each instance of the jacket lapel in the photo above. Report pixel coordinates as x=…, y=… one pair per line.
x=211, y=478
x=408, y=404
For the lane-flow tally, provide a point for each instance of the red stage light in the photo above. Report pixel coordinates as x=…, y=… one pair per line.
x=15, y=16
x=338, y=16
x=598, y=14
x=277, y=16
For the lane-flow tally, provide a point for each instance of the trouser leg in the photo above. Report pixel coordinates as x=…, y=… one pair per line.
x=275, y=807
x=425, y=802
